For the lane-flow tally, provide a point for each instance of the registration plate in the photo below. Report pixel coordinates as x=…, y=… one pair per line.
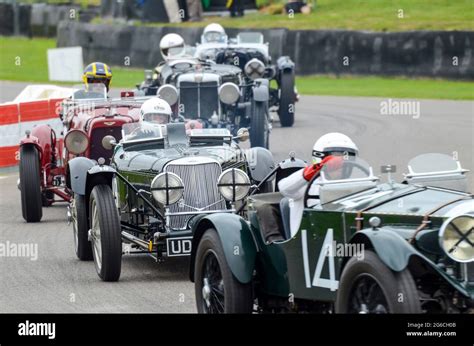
x=179, y=246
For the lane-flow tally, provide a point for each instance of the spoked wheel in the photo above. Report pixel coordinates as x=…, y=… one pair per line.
x=30, y=184
x=105, y=234
x=368, y=286
x=80, y=226
x=213, y=285
x=216, y=288
x=367, y=297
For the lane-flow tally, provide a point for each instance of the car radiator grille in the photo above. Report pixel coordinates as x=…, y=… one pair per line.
x=200, y=190
x=198, y=100
x=470, y=272
x=96, y=148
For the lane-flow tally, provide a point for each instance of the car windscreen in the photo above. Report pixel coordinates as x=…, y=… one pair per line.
x=432, y=163
x=89, y=92
x=136, y=133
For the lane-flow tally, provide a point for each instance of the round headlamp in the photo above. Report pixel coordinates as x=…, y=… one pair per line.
x=254, y=69
x=76, y=142
x=456, y=238
x=169, y=93
x=233, y=184
x=167, y=188
x=229, y=93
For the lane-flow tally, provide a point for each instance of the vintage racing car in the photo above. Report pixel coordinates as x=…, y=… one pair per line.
x=159, y=180
x=88, y=116
x=249, y=52
x=218, y=96
x=362, y=247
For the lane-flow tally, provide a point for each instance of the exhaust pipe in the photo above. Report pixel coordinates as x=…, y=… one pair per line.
x=137, y=241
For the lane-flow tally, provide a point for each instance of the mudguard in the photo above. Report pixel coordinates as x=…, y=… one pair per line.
x=260, y=162
x=261, y=90
x=237, y=241
x=82, y=171
x=395, y=252
x=284, y=63
x=41, y=136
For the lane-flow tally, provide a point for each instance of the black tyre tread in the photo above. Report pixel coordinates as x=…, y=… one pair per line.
x=258, y=135
x=240, y=298
x=110, y=233
x=84, y=246
x=287, y=97
x=30, y=184
x=393, y=283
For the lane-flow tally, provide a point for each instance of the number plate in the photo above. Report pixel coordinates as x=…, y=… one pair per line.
x=179, y=246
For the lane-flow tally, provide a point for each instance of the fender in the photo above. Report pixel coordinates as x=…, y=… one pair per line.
x=395, y=252
x=82, y=172
x=261, y=90
x=30, y=140
x=237, y=241
x=261, y=163
x=284, y=64
x=45, y=135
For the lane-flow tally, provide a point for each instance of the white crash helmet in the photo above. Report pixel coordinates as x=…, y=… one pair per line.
x=333, y=142
x=214, y=33
x=172, y=46
x=155, y=111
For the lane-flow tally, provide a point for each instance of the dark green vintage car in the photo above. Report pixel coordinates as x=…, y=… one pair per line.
x=362, y=246
x=160, y=179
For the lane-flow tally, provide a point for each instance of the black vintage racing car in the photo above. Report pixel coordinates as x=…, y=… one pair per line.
x=362, y=246
x=216, y=95
x=159, y=180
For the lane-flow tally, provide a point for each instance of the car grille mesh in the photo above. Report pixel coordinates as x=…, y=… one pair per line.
x=198, y=100
x=470, y=272
x=96, y=149
x=200, y=190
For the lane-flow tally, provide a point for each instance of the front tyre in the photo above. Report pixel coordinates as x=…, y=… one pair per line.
x=259, y=126
x=369, y=286
x=286, y=109
x=30, y=184
x=105, y=233
x=216, y=288
x=80, y=227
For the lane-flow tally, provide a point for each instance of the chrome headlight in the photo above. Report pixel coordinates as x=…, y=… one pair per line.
x=233, y=184
x=229, y=93
x=169, y=93
x=254, y=69
x=76, y=142
x=456, y=238
x=167, y=188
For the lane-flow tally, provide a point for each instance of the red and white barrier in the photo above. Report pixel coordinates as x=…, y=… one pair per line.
x=26, y=113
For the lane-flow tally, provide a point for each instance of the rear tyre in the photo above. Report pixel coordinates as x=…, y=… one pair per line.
x=30, y=184
x=216, y=288
x=259, y=127
x=80, y=227
x=105, y=233
x=369, y=286
x=286, y=110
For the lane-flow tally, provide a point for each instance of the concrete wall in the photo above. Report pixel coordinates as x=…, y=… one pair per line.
x=417, y=53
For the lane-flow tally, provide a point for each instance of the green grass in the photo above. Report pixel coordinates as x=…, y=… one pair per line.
x=375, y=15
x=34, y=68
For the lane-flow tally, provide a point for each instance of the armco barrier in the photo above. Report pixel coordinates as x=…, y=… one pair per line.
x=16, y=118
x=447, y=54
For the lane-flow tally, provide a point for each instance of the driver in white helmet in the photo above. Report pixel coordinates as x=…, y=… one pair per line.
x=214, y=33
x=172, y=46
x=154, y=112
x=329, y=151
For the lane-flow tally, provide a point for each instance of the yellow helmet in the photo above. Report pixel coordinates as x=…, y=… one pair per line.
x=97, y=72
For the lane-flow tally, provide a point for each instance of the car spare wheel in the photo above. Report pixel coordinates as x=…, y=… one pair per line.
x=30, y=184
x=105, y=233
x=368, y=286
x=217, y=290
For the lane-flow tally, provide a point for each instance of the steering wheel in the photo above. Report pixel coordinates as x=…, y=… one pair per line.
x=347, y=168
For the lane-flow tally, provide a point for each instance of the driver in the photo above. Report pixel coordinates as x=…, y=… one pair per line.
x=328, y=151
x=172, y=46
x=97, y=73
x=155, y=111
x=214, y=33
